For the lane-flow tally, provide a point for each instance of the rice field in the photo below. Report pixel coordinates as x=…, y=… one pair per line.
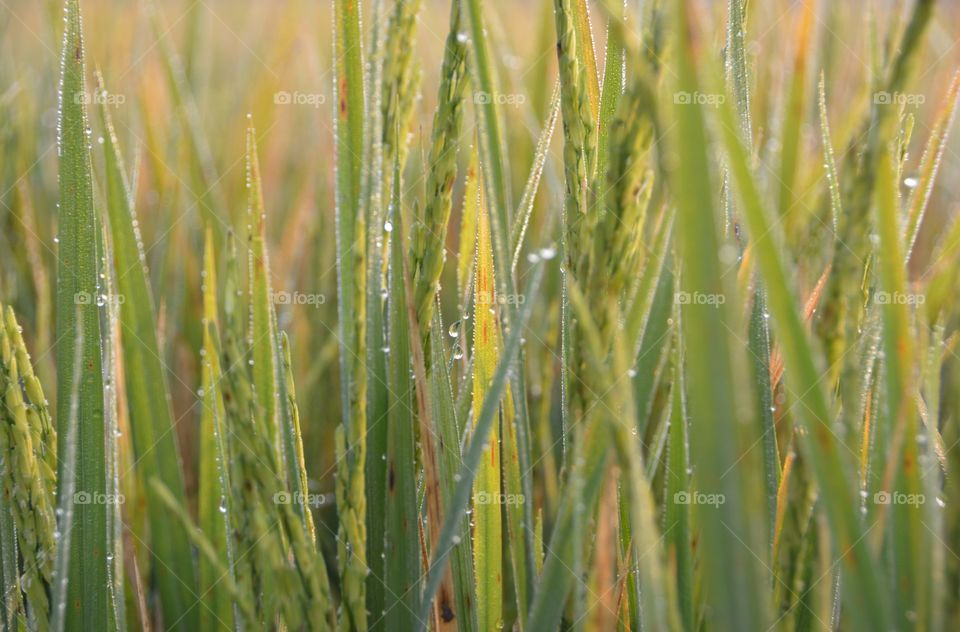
x=402, y=315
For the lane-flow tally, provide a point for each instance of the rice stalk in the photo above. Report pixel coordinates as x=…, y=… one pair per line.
x=428, y=233
x=24, y=482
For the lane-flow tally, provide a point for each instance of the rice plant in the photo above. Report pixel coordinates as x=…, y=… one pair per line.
x=415, y=315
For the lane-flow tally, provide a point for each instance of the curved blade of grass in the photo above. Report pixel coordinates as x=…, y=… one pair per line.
x=351, y=306
x=863, y=586
x=533, y=180
x=833, y=182
x=293, y=439
x=930, y=163
x=473, y=454
x=148, y=398
x=78, y=292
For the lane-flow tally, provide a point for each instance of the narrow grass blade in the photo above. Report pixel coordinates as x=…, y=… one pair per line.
x=110, y=352
x=677, y=515
x=612, y=89
x=79, y=297
x=833, y=181
x=514, y=497
x=262, y=321
x=525, y=209
x=588, y=54
x=214, y=502
x=401, y=544
x=467, y=251
x=911, y=546
x=486, y=491
x=376, y=191
x=930, y=163
x=148, y=398
x=66, y=494
x=494, y=178
x=351, y=273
